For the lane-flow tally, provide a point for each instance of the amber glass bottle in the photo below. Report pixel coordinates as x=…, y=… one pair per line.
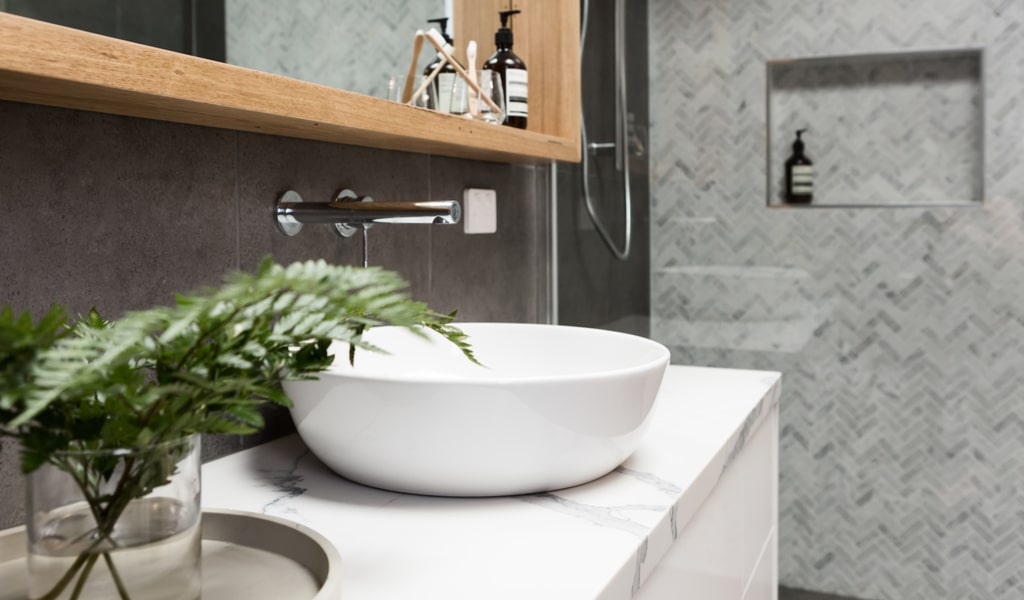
x=799, y=174
x=440, y=96
x=513, y=73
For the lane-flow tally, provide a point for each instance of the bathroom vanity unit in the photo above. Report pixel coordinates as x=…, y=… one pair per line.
x=692, y=514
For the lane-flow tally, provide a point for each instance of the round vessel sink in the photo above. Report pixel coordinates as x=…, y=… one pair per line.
x=552, y=407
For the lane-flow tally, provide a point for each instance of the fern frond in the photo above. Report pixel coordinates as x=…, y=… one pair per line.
x=201, y=365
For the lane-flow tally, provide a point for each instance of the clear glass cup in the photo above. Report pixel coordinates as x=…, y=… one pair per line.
x=116, y=523
x=491, y=87
x=394, y=87
x=460, y=97
x=427, y=98
x=442, y=87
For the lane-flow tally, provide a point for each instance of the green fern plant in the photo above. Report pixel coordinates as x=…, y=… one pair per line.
x=203, y=365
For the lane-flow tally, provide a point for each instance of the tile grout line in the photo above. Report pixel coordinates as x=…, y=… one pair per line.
x=238, y=209
x=430, y=238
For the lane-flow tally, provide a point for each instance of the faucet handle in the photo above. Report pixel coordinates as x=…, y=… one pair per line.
x=347, y=230
x=283, y=218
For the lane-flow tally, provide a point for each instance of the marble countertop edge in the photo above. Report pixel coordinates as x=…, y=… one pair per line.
x=693, y=494
x=606, y=536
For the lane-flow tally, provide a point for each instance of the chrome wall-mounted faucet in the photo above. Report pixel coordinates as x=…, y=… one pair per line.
x=350, y=213
x=349, y=210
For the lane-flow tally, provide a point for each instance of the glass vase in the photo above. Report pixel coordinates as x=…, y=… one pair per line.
x=116, y=523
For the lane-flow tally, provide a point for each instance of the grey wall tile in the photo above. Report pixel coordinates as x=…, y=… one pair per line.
x=12, y=488
x=488, y=277
x=108, y=212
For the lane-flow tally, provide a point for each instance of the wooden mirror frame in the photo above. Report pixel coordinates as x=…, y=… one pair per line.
x=42, y=63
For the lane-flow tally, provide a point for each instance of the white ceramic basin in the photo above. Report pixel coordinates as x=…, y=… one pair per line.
x=554, y=407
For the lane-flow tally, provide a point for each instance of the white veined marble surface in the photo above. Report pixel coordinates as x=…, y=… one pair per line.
x=598, y=540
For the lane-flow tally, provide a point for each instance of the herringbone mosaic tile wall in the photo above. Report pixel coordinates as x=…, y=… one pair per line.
x=899, y=330
x=353, y=45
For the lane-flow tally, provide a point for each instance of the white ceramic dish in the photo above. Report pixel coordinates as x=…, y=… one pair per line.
x=553, y=407
x=244, y=555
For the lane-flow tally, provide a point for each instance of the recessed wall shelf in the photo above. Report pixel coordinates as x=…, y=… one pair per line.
x=884, y=130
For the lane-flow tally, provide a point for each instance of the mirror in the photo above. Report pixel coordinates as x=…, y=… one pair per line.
x=43, y=63
x=352, y=45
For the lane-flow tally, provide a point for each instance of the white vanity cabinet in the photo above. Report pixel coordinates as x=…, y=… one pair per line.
x=728, y=549
x=690, y=515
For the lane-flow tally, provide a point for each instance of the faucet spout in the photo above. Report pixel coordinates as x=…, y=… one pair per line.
x=349, y=211
x=439, y=212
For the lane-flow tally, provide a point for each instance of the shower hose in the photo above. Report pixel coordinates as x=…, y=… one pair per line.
x=621, y=135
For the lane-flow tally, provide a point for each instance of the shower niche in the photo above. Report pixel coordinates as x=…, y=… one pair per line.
x=901, y=129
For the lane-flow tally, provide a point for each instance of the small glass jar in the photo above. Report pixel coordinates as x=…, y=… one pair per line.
x=116, y=523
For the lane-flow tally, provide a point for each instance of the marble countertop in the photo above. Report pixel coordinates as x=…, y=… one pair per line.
x=598, y=540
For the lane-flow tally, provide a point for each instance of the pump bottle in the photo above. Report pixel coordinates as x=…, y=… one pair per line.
x=440, y=94
x=512, y=70
x=799, y=174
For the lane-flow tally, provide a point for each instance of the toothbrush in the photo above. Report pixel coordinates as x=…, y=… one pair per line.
x=417, y=44
x=427, y=81
x=435, y=38
x=471, y=59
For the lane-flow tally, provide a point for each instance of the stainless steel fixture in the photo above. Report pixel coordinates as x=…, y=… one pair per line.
x=622, y=137
x=348, y=211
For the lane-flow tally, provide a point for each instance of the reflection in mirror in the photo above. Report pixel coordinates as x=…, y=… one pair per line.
x=353, y=45
x=189, y=26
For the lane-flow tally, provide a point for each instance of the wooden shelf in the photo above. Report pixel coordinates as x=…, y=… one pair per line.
x=41, y=63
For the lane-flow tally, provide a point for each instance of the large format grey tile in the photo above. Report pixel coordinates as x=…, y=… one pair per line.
x=110, y=212
x=12, y=488
x=489, y=277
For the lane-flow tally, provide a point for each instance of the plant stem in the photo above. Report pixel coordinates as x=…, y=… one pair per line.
x=83, y=576
x=83, y=486
x=116, y=576
x=106, y=519
x=66, y=578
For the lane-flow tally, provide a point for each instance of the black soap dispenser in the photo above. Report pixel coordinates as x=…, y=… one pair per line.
x=799, y=174
x=440, y=94
x=512, y=70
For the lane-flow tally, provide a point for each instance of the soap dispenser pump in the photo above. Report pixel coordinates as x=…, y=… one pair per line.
x=799, y=174
x=440, y=95
x=512, y=71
